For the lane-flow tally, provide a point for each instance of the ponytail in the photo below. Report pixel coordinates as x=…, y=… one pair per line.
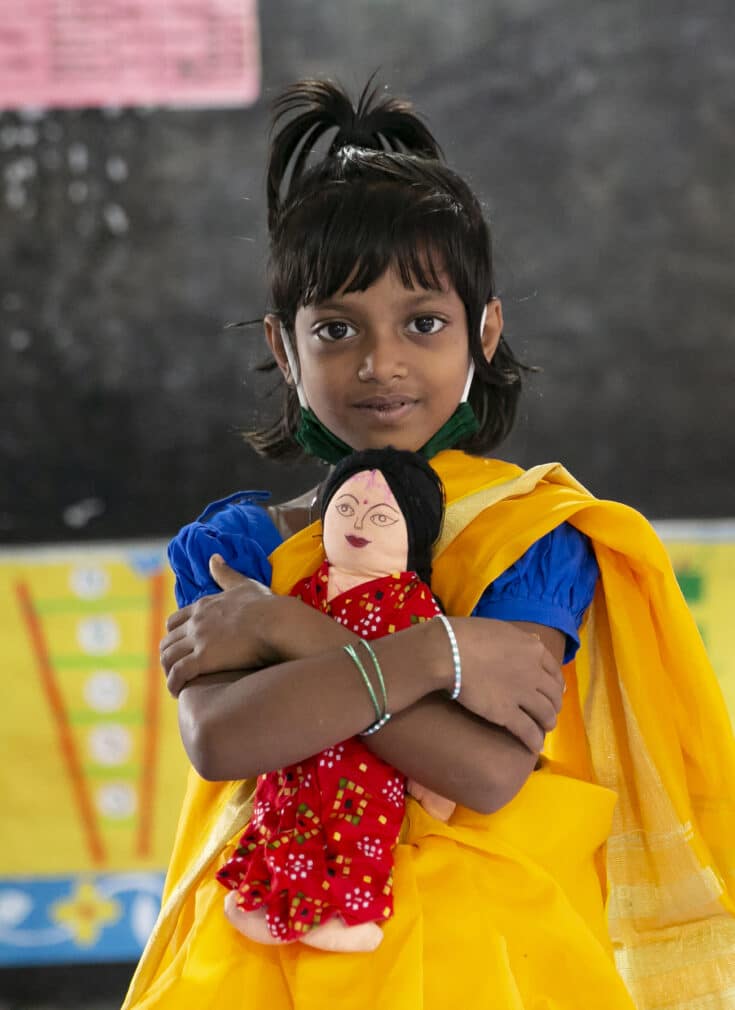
x=312, y=107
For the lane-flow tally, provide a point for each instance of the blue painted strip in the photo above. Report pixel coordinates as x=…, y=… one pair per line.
x=77, y=918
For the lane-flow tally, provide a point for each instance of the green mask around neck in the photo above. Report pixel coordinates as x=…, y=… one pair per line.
x=316, y=439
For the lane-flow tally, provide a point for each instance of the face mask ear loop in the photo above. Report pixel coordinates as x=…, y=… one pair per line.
x=471, y=371
x=293, y=366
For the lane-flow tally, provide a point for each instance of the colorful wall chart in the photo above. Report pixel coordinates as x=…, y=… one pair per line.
x=101, y=52
x=703, y=555
x=94, y=770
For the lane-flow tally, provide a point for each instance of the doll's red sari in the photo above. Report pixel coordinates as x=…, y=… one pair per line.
x=321, y=837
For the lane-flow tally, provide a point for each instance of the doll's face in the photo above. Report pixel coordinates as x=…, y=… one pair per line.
x=364, y=529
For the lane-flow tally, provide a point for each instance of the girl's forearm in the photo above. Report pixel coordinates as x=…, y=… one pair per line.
x=237, y=726
x=455, y=753
x=435, y=741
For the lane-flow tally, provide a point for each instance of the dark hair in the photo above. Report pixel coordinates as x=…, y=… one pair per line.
x=380, y=197
x=416, y=487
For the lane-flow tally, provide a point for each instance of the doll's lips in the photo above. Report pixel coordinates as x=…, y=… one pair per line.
x=356, y=541
x=387, y=408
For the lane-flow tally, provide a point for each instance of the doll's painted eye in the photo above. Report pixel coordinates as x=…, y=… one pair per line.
x=344, y=508
x=382, y=519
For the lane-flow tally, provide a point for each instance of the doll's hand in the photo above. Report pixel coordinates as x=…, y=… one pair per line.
x=509, y=678
x=435, y=805
x=227, y=631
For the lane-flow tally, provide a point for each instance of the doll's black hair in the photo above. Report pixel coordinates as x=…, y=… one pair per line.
x=380, y=197
x=416, y=487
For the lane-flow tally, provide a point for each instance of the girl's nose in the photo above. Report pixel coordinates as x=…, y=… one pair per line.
x=383, y=361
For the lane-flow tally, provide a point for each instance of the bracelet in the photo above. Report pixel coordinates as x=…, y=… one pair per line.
x=379, y=672
x=350, y=650
x=454, y=694
x=386, y=714
x=376, y=725
x=382, y=715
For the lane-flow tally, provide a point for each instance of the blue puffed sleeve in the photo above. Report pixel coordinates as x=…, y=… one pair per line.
x=552, y=583
x=235, y=527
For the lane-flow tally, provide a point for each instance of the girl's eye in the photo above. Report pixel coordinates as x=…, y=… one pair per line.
x=382, y=519
x=345, y=510
x=426, y=325
x=335, y=330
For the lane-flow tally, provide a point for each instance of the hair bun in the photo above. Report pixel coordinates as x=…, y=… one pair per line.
x=308, y=109
x=382, y=124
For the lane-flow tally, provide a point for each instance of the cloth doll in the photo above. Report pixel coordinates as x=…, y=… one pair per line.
x=315, y=861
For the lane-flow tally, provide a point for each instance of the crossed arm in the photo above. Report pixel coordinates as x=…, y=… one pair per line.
x=292, y=691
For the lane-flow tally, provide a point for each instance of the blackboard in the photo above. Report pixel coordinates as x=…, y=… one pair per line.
x=600, y=139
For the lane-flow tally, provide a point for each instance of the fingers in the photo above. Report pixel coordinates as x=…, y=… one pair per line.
x=525, y=729
x=178, y=618
x=542, y=711
x=548, y=661
x=174, y=652
x=550, y=665
x=550, y=686
x=550, y=689
x=173, y=636
x=181, y=673
x=223, y=575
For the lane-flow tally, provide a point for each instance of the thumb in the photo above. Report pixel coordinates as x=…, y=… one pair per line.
x=223, y=575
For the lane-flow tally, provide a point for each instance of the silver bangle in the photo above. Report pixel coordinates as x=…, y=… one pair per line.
x=454, y=694
x=376, y=725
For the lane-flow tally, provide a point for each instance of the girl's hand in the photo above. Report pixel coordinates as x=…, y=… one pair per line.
x=227, y=631
x=228, y=578
x=509, y=678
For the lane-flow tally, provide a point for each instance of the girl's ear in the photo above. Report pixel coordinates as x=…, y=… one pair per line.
x=274, y=340
x=493, y=330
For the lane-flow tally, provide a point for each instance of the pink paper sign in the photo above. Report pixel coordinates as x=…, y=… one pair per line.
x=71, y=53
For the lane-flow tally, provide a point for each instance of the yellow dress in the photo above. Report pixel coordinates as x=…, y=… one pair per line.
x=606, y=883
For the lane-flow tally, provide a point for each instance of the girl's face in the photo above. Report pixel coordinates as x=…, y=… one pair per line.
x=364, y=530
x=385, y=366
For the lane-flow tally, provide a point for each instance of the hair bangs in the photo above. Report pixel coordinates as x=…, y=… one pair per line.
x=348, y=236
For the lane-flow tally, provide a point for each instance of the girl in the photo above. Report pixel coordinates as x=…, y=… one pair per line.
x=587, y=867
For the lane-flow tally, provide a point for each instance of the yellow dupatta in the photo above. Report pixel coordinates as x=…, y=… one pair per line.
x=643, y=716
x=647, y=720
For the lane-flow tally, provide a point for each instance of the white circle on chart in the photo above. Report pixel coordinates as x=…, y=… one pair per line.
x=106, y=691
x=98, y=636
x=116, y=800
x=90, y=582
x=110, y=745
x=14, y=906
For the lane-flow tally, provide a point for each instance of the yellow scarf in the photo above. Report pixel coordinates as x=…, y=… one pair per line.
x=643, y=716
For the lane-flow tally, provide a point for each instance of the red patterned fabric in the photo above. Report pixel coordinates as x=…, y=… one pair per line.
x=321, y=837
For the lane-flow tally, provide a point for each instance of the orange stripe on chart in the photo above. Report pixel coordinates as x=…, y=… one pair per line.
x=151, y=719
x=63, y=729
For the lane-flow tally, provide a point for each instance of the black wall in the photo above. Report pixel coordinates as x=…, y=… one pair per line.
x=600, y=136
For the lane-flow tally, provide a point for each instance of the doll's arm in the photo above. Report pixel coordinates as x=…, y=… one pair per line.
x=438, y=806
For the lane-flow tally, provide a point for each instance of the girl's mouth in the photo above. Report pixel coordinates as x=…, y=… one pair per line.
x=356, y=541
x=387, y=409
